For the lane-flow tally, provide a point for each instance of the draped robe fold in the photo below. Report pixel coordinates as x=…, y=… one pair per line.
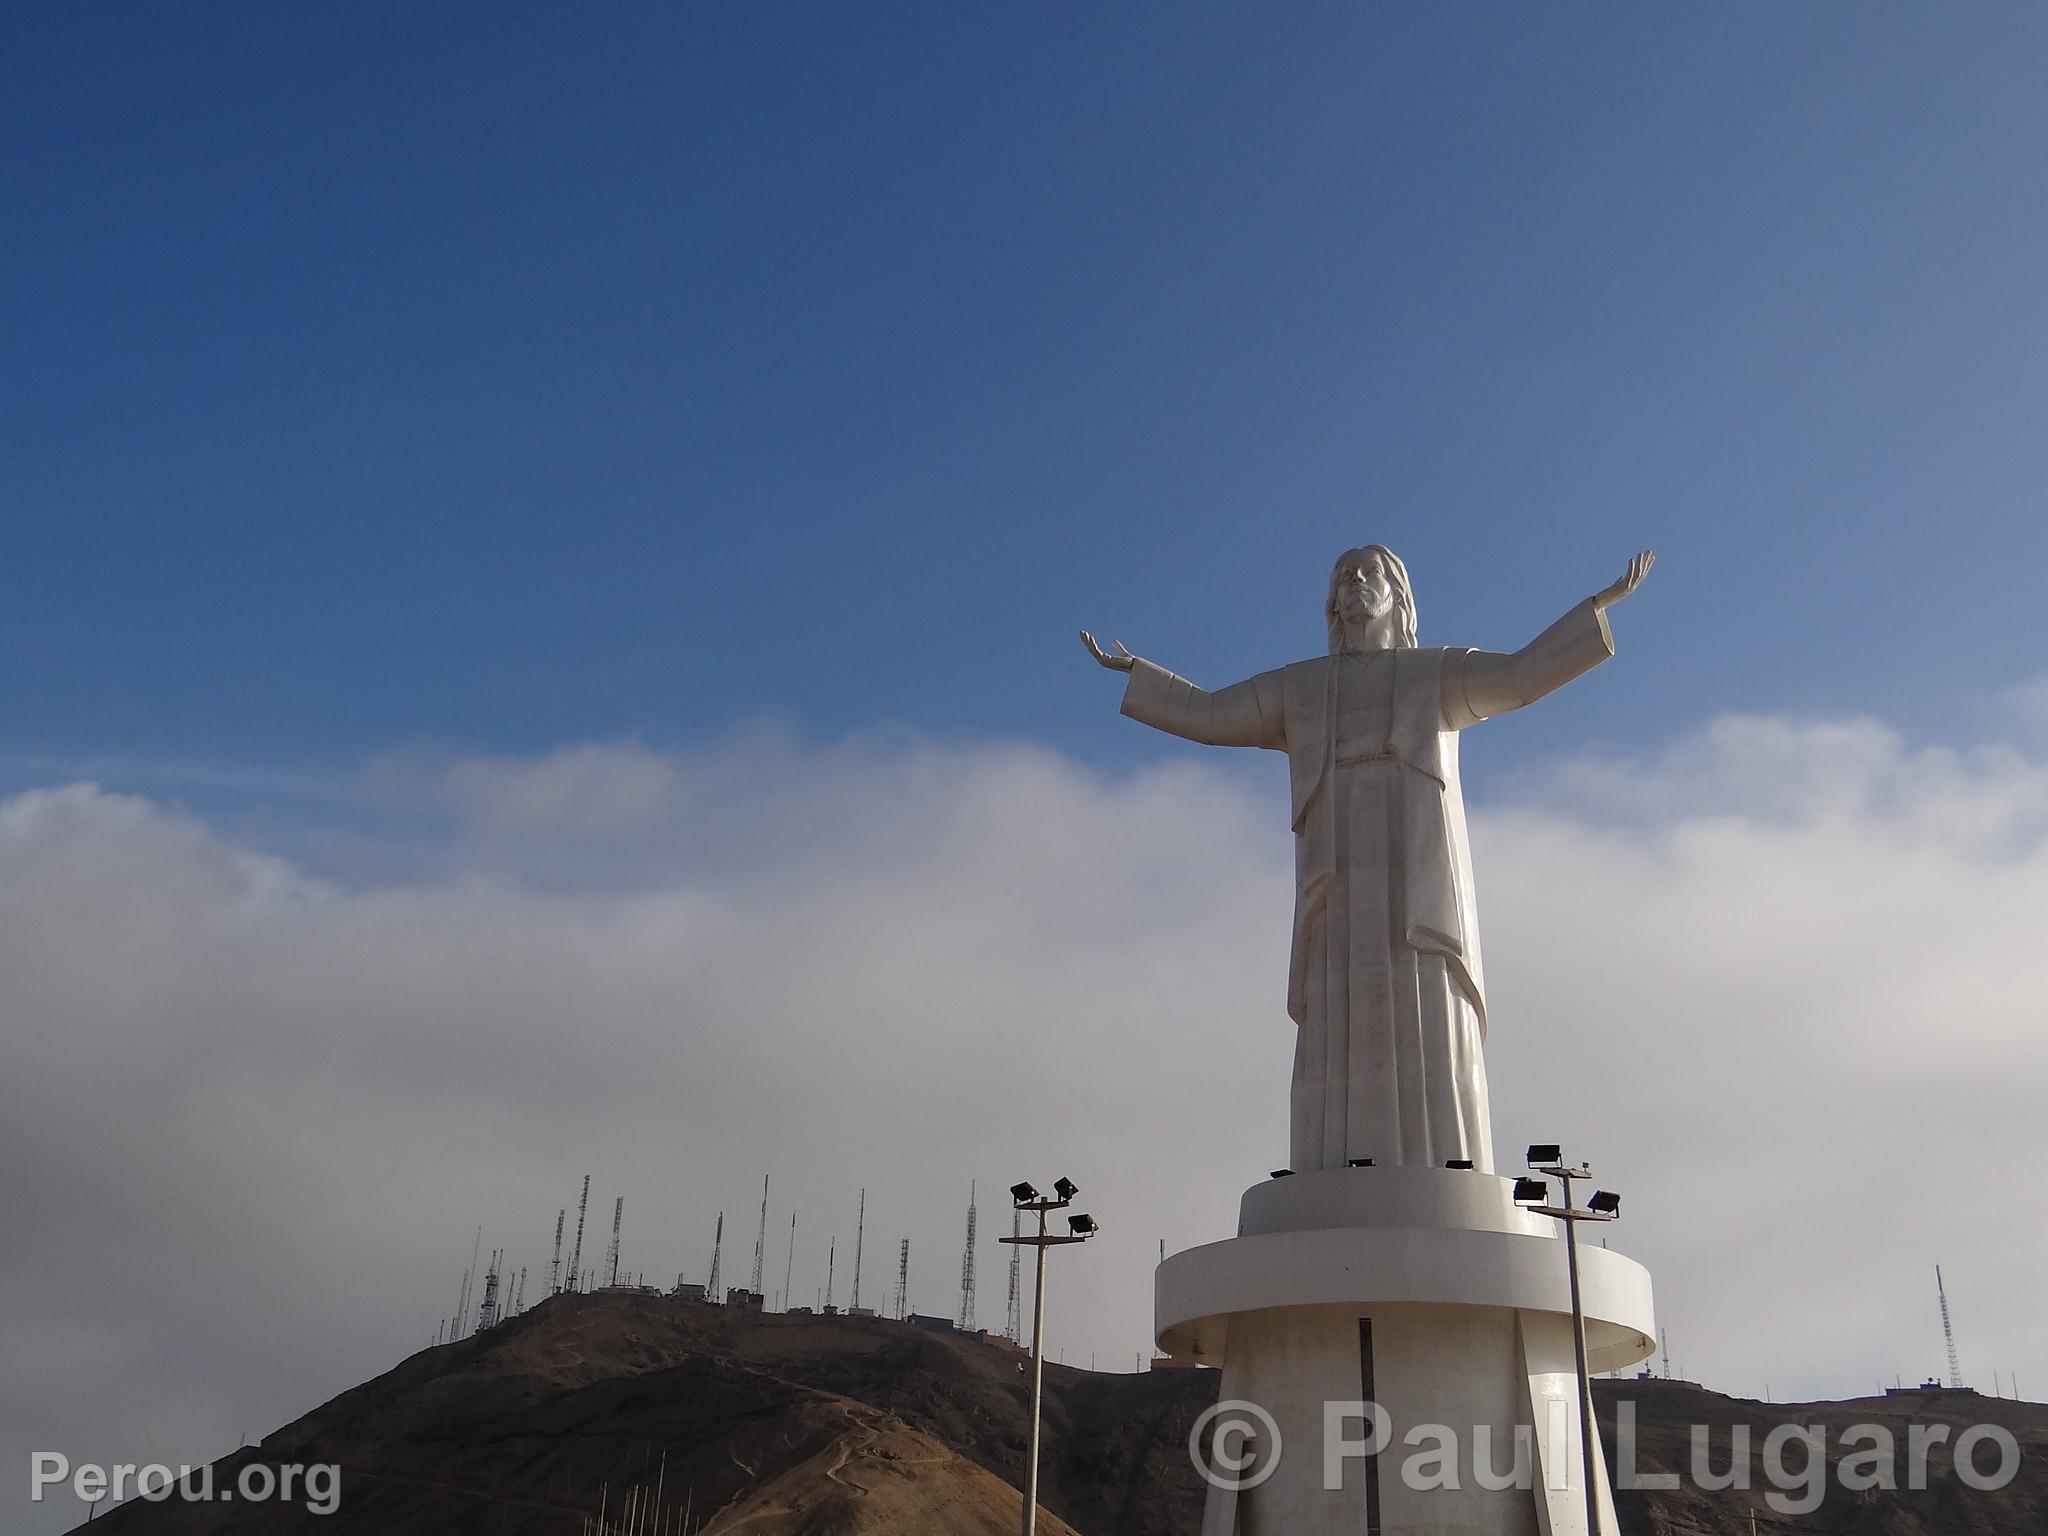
x=1385, y=981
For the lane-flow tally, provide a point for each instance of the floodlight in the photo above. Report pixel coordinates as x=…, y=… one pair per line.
x=1459, y=1162
x=1084, y=1226
x=1545, y=1154
x=1066, y=1189
x=1605, y=1204
x=1531, y=1191
x=1281, y=1173
x=1023, y=1194
x=1359, y=1162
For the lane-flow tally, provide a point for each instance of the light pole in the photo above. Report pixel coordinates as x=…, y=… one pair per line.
x=1026, y=1198
x=1548, y=1159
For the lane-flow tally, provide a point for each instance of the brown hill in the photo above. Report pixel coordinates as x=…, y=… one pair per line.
x=786, y=1424
x=841, y=1426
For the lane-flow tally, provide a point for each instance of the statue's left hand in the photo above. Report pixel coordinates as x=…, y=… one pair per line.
x=1118, y=660
x=1632, y=578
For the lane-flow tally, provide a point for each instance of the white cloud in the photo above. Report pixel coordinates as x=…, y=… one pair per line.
x=1774, y=981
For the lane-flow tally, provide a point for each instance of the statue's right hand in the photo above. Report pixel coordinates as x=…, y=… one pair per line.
x=1117, y=660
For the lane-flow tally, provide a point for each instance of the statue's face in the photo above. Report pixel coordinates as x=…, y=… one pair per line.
x=1364, y=590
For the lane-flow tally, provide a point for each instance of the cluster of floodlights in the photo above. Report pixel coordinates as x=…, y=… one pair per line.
x=1547, y=1158
x=1027, y=1198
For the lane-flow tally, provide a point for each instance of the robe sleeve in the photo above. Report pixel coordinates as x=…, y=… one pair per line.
x=1478, y=685
x=1246, y=714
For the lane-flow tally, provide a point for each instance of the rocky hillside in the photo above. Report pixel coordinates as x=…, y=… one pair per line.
x=812, y=1426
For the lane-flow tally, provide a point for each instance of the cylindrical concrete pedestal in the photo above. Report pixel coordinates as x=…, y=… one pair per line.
x=1429, y=1293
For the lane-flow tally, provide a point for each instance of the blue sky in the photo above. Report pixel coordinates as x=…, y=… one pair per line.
x=506, y=376
x=559, y=533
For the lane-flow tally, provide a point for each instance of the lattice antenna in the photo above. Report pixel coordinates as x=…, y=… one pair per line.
x=903, y=1279
x=859, y=1230
x=717, y=1242
x=618, y=1219
x=519, y=1293
x=468, y=1285
x=1013, y=1324
x=760, y=1239
x=831, y=1253
x=967, y=1268
x=487, y=1314
x=1955, y=1371
x=555, y=1264
x=789, y=1268
x=576, y=1259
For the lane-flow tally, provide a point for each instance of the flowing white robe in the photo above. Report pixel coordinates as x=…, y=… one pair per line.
x=1385, y=982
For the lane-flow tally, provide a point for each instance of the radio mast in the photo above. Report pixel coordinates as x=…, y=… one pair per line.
x=1955, y=1371
x=1014, y=1324
x=760, y=1239
x=860, y=1228
x=576, y=1259
x=967, y=1268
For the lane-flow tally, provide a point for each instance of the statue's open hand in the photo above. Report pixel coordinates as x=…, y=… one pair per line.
x=1117, y=660
x=1632, y=578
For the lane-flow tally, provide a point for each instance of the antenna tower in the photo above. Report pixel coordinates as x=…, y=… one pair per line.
x=903, y=1280
x=760, y=1239
x=1955, y=1371
x=831, y=1254
x=555, y=1264
x=859, y=1230
x=487, y=1314
x=717, y=1242
x=789, y=1268
x=618, y=1218
x=1014, y=1324
x=576, y=1259
x=967, y=1268
x=468, y=1284
x=519, y=1293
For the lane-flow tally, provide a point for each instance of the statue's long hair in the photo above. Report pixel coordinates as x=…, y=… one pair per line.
x=1397, y=578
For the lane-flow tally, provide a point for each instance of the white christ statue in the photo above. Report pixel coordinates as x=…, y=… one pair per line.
x=1385, y=983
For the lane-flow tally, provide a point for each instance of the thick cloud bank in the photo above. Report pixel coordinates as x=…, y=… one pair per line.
x=1776, y=983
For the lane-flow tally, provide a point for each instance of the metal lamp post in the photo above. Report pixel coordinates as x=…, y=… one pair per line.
x=1548, y=1159
x=1026, y=1198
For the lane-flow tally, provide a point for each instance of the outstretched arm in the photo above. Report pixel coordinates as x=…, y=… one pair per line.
x=1246, y=714
x=1481, y=684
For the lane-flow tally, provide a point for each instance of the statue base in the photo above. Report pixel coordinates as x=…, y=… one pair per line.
x=1425, y=1291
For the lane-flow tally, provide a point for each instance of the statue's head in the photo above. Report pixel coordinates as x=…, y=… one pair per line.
x=1369, y=586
